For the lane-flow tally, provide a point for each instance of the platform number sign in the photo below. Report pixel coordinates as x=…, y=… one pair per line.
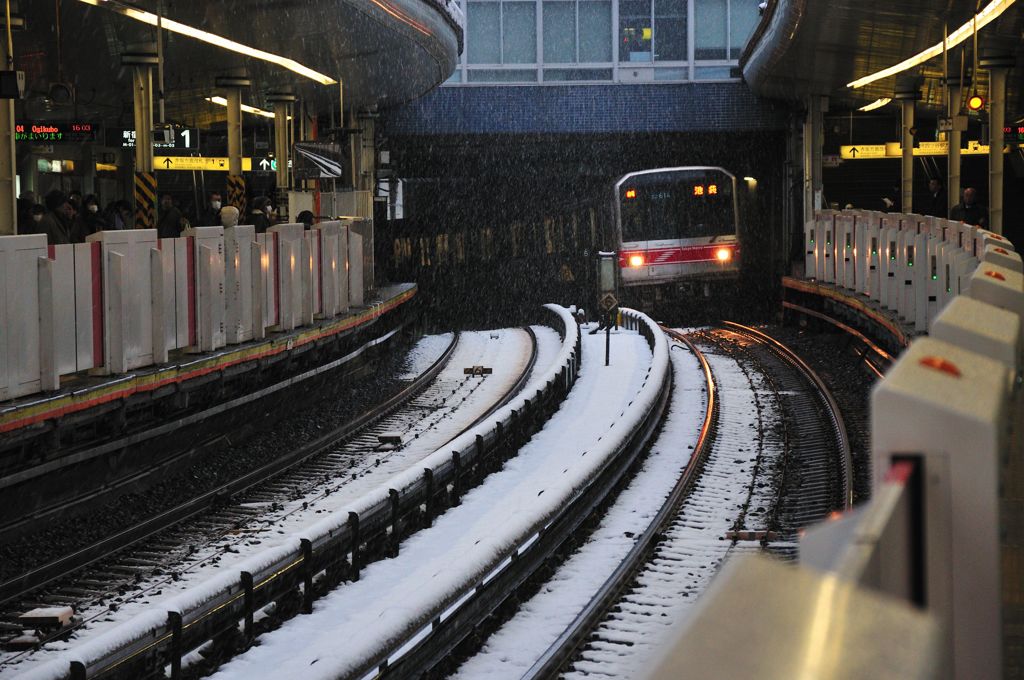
x=184, y=138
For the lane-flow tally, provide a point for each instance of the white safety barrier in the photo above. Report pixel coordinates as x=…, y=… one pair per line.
x=126, y=299
x=926, y=554
x=912, y=265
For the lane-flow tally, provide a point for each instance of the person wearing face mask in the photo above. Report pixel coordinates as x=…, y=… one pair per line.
x=211, y=215
x=89, y=221
x=35, y=216
x=259, y=217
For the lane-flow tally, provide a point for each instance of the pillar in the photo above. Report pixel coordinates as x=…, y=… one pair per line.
x=998, y=64
x=8, y=160
x=908, y=91
x=142, y=61
x=958, y=125
x=233, y=86
x=812, y=141
x=282, y=101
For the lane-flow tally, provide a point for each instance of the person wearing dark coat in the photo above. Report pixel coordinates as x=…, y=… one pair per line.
x=168, y=225
x=89, y=221
x=259, y=217
x=969, y=210
x=306, y=218
x=935, y=203
x=56, y=223
x=211, y=214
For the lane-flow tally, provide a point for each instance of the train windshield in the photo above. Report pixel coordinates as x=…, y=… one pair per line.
x=676, y=204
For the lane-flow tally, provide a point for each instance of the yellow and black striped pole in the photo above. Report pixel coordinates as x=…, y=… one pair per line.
x=145, y=200
x=236, y=195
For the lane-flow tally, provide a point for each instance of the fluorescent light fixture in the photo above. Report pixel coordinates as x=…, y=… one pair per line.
x=983, y=18
x=212, y=39
x=246, y=108
x=877, y=104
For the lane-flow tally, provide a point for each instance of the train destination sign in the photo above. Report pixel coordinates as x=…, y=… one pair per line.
x=55, y=131
x=197, y=163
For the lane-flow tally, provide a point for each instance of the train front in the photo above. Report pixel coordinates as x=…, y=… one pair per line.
x=677, y=229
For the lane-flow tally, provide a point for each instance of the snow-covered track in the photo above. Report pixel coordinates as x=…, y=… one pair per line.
x=282, y=580
x=712, y=511
x=429, y=648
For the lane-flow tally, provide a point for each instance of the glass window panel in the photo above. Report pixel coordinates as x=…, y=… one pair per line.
x=483, y=29
x=672, y=73
x=500, y=76
x=455, y=77
x=519, y=41
x=595, y=31
x=670, y=30
x=713, y=73
x=559, y=74
x=635, y=30
x=743, y=15
x=709, y=35
x=559, y=32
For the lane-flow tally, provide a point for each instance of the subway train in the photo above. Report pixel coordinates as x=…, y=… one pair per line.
x=676, y=232
x=676, y=229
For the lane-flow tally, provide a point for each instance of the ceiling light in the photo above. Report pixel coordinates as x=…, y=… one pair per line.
x=245, y=107
x=213, y=39
x=982, y=19
x=877, y=104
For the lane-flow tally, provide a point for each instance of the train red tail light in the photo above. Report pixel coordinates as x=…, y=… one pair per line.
x=636, y=260
x=723, y=255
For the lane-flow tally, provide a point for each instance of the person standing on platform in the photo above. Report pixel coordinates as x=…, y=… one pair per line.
x=211, y=215
x=935, y=204
x=969, y=210
x=259, y=217
x=89, y=221
x=56, y=223
x=169, y=223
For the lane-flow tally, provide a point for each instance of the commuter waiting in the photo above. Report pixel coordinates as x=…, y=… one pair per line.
x=56, y=223
x=969, y=210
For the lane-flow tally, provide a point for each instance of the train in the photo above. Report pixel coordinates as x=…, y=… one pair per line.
x=676, y=230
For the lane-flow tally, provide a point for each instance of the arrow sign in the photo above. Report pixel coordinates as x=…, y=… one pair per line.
x=853, y=152
x=264, y=164
x=167, y=163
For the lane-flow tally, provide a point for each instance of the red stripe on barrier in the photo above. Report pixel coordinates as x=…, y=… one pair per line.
x=96, y=256
x=277, y=279
x=320, y=258
x=190, y=279
x=51, y=252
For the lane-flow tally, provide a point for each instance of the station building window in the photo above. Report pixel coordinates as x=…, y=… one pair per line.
x=530, y=41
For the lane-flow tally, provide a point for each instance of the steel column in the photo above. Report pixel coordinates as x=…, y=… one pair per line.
x=998, y=64
x=812, y=143
x=953, y=94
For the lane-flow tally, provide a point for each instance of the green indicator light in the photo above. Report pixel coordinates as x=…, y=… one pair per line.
x=934, y=277
x=874, y=252
x=892, y=257
x=828, y=243
x=910, y=264
x=949, y=290
x=848, y=246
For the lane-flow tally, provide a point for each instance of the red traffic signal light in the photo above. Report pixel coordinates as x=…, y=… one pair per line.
x=976, y=102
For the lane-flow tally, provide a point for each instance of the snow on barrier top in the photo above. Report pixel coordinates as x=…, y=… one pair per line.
x=394, y=607
x=151, y=626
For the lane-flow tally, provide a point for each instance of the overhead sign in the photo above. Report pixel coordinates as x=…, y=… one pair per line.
x=894, y=150
x=314, y=160
x=184, y=138
x=197, y=163
x=853, y=152
x=55, y=131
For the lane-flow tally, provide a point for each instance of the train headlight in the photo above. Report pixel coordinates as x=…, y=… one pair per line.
x=723, y=254
x=636, y=260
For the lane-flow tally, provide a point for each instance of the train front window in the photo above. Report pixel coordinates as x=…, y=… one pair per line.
x=676, y=206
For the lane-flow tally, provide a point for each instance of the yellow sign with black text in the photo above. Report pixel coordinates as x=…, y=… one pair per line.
x=894, y=150
x=197, y=163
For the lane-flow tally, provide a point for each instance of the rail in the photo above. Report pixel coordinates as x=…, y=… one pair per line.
x=40, y=576
x=565, y=646
x=824, y=394
x=328, y=552
x=428, y=644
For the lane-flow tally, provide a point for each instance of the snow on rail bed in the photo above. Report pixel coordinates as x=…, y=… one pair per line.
x=511, y=650
x=437, y=564
x=152, y=618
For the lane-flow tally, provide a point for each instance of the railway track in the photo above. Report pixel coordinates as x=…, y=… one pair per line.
x=770, y=458
x=200, y=533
